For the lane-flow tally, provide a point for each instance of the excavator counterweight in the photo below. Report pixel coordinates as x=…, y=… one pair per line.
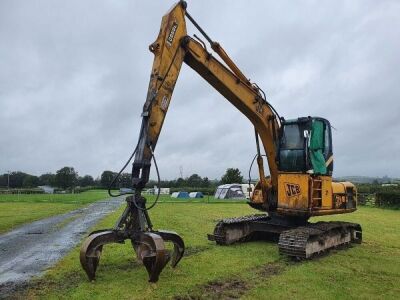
x=298, y=152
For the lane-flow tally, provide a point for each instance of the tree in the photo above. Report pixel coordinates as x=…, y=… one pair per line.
x=47, y=179
x=66, y=177
x=180, y=182
x=97, y=181
x=106, y=179
x=86, y=180
x=194, y=180
x=3, y=180
x=125, y=180
x=232, y=175
x=30, y=181
x=17, y=179
x=205, y=182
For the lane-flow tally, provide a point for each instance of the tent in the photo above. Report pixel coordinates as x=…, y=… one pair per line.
x=196, y=195
x=230, y=191
x=180, y=195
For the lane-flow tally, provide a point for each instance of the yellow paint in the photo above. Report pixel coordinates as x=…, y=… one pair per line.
x=293, y=190
x=326, y=192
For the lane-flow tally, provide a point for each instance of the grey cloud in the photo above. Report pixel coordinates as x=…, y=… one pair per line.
x=74, y=75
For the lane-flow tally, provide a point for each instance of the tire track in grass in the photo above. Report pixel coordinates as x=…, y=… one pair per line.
x=236, y=286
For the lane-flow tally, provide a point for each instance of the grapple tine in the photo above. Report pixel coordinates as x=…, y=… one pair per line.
x=135, y=225
x=150, y=249
x=91, y=250
x=179, y=245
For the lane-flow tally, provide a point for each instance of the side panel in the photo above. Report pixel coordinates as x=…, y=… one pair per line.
x=293, y=191
x=326, y=192
x=344, y=195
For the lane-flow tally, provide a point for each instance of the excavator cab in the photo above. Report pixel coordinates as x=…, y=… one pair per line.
x=305, y=166
x=305, y=146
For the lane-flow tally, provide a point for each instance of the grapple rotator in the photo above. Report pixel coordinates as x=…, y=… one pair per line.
x=149, y=245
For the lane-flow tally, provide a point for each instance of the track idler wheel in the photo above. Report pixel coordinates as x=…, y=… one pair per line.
x=92, y=247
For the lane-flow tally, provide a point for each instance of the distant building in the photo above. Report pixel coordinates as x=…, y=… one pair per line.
x=163, y=191
x=247, y=189
x=47, y=189
x=154, y=191
x=123, y=191
x=389, y=184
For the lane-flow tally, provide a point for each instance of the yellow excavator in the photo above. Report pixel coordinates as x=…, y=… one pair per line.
x=298, y=152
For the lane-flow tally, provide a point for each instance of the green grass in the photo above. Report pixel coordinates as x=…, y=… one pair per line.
x=16, y=210
x=82, y=198
x=206, y=199
x=15, y=214
x=253, y=270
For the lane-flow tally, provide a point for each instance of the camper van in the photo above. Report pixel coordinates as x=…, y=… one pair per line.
x=247, y=189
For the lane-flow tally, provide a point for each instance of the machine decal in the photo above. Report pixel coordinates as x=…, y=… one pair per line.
x=164, y=103
x=171, y=35
x=292, y=189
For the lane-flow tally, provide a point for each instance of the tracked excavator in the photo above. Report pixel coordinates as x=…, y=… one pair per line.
x=298, y=152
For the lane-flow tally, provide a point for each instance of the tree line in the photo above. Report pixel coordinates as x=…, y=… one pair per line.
x=67, y=177
x=64, y=178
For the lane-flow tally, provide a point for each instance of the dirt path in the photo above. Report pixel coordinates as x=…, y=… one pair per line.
x=32, y=248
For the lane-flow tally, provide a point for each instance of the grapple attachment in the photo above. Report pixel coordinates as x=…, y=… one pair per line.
x=134, y=224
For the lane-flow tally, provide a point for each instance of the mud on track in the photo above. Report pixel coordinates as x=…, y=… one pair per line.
x=32, y=248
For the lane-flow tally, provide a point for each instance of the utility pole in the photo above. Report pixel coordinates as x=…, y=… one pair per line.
x=181, y=171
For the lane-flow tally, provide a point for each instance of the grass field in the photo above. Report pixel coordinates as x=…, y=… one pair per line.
x=82, y=198
x=252, y=270
x=17, y=209
x=205, y=199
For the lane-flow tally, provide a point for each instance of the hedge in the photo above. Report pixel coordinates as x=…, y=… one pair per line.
x=22, y=191
x=388, y=198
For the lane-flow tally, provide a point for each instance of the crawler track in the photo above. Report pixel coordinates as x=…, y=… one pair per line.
x=233, y=230
x=302, y=242
x=306, y=241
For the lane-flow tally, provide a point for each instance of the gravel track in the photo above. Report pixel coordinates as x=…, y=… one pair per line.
x=29, y=250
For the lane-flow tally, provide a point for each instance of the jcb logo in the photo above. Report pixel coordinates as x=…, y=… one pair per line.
x=292, y=189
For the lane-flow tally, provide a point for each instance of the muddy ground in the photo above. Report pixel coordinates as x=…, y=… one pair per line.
x=29, y=250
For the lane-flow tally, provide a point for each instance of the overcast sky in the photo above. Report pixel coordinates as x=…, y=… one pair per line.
x=74, y=76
